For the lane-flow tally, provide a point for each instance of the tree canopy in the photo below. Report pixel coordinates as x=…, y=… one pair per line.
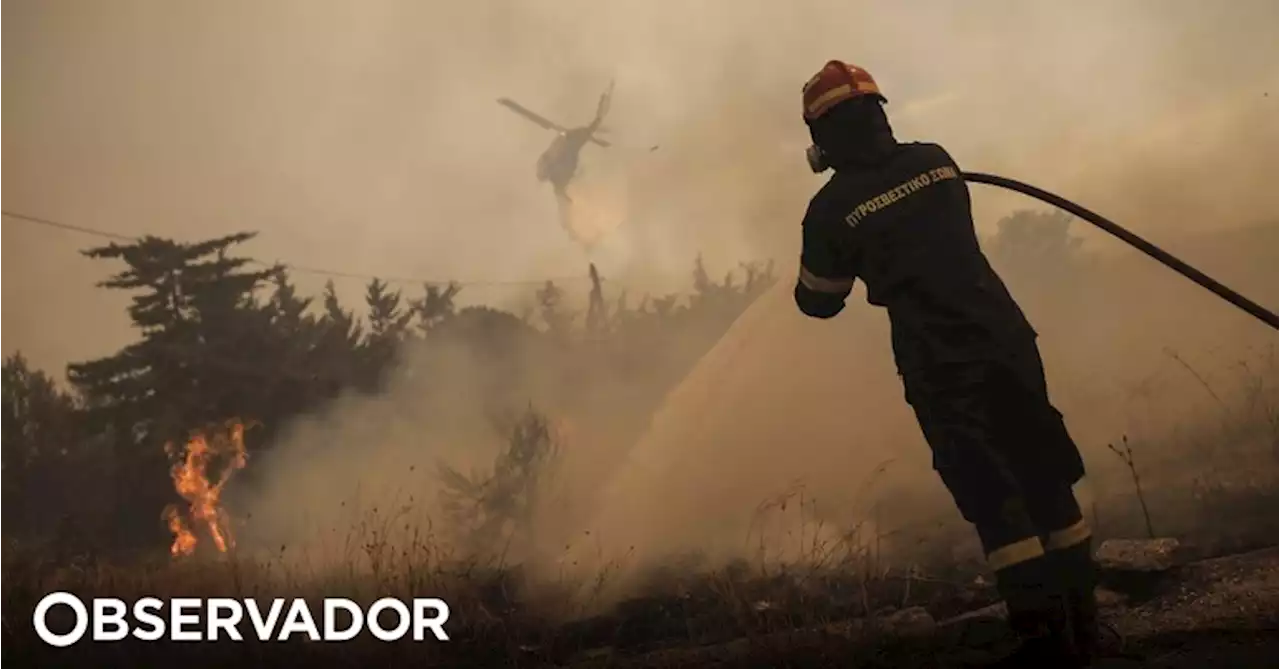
x=222, y=336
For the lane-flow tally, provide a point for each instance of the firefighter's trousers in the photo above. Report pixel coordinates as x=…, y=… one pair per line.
x=1003, y=452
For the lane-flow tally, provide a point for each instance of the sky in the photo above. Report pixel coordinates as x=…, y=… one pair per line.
x=364, y=137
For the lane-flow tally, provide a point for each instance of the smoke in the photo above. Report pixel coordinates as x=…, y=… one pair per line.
x=365, y=137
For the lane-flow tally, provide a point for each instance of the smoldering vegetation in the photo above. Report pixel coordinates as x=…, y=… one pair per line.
x=636, y=476
x=652, y=453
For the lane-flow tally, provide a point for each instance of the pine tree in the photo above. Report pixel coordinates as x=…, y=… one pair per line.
x=195, y=312
x=388, y=328
x=199, y=361
x=338, y=335
x=292, y=345
x=436, y=306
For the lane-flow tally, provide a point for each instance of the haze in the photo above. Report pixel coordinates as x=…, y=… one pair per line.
x=364, y=136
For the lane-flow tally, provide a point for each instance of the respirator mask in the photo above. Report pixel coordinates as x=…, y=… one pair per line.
x=817, y=159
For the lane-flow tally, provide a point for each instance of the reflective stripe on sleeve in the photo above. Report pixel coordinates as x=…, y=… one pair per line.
x=818, y=284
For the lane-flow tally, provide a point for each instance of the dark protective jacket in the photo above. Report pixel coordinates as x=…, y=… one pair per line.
x=904, y=227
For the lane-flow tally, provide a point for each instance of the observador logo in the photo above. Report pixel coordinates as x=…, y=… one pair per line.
x=218, y=619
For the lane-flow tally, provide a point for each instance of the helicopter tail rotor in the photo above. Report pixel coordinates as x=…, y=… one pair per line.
x=602, y=108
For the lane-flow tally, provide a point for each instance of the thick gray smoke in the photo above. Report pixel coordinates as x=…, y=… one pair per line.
x=366, y=138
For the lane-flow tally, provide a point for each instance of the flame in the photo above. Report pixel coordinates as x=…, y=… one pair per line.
x=191, y=480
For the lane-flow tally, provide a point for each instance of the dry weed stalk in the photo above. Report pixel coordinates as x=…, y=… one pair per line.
x=1256, y=389
x=1126, y=456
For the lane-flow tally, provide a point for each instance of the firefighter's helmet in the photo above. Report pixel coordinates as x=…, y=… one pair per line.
x=836, y=82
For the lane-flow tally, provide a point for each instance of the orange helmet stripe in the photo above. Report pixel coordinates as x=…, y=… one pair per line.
x=828, y=99
x=835, y=83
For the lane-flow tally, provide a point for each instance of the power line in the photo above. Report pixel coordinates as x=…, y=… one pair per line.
x=338, y=274
x=301, y=269
x=72, y=228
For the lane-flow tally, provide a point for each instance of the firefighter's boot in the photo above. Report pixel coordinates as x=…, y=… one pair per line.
x=1077, y=566
x=1036, y=597
x=1044, y=638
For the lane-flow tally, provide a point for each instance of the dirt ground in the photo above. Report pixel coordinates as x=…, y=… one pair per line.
x=1215, y=613
x=1218, y=612
x=1185, y=612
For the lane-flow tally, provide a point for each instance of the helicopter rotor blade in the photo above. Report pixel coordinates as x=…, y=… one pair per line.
x=531, y=115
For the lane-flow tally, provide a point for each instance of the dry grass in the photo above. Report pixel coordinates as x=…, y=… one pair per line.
x=804, y=574
x=1212, y=482
x=805, y=566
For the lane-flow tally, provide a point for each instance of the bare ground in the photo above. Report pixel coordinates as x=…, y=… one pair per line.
x=1218, y=612
x=1194, y=610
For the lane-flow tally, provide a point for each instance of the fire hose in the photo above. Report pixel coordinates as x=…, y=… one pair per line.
x=1155, y=252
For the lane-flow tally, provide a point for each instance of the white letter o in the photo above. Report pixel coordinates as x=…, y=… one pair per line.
x=376, y=628
x=42, y=609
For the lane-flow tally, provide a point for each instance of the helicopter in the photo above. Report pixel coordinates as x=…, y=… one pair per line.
x=558, y=164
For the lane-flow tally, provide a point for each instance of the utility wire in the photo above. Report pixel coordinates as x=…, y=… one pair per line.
x=282, y=370
x=302, y=269
x=72, y=228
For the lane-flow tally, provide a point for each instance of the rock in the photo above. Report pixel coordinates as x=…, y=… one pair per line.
x=1143, y=555
x=980, y=627
x=910, y=622
x=595, y=653
x=1109, y=599
x=995, y=611
x=847, y=629
x=1106, y=599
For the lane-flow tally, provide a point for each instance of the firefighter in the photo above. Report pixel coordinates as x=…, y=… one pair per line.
x=897, y=216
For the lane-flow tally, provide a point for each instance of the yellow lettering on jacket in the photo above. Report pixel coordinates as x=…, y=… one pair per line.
x=900, y=192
